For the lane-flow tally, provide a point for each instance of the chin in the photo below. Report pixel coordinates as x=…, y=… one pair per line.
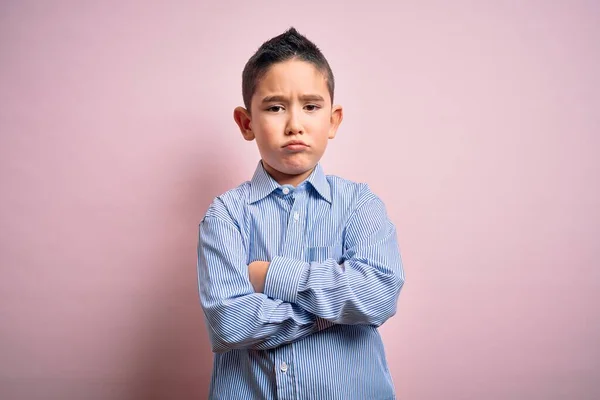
x=297, y=169
x=292, y=166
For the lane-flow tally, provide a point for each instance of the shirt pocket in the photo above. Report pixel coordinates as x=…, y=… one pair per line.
x=322, y=253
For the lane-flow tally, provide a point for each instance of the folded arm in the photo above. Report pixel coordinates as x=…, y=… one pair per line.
x=363, y=289
x=236, y=316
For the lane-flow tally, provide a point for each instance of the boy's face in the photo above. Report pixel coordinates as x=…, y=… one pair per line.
x=291, y=119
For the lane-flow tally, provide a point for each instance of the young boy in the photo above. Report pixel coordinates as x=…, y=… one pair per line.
x=296, y=269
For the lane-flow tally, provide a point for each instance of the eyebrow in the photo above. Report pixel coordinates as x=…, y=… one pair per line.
x=283, y=99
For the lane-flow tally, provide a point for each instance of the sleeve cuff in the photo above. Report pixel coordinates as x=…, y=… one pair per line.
x=283, y=278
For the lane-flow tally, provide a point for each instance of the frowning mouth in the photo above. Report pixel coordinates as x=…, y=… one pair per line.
x=295, y=144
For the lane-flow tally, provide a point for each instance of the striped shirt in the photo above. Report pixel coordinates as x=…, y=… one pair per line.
x=334, y=276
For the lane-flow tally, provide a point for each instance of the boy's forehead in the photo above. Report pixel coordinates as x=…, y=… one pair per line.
x=291, y=78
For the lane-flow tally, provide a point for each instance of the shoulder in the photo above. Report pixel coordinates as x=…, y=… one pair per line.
x=364, y=210
x=351, y=193
x=230, y=205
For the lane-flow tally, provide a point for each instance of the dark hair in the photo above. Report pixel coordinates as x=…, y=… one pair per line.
x=288, y=45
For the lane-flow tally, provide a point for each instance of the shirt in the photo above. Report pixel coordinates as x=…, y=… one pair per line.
x=335, y=274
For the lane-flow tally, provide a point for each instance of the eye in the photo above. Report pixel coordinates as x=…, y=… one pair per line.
x=311, y=107
x=275, y=109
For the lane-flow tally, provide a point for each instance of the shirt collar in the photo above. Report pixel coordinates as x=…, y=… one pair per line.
x=262, y=184
x=319, y=181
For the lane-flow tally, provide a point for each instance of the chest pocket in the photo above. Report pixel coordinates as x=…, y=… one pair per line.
x=323, y=253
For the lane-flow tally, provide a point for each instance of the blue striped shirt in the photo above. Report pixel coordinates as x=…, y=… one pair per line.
x=334, y=276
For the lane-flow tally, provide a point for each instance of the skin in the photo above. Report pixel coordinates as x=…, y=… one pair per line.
x=292, y=118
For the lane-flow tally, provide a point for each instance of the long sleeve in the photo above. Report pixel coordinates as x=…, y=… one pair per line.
x=236, y=316
x=363, y=289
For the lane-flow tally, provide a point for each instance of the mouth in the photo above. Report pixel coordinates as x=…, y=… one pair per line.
x=295, y=145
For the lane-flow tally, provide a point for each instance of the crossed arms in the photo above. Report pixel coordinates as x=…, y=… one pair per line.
x=267, y=304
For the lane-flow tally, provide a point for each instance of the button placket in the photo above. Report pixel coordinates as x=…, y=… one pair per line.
x=292, y=248
x=284, y=372
x=296, y=226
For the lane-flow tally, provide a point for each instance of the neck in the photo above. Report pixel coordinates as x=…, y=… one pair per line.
x=286, y=179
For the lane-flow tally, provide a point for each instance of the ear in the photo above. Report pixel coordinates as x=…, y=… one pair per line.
x=337, y=114
x=243, y=119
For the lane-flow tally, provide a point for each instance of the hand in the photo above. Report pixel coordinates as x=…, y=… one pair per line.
x=257, y=270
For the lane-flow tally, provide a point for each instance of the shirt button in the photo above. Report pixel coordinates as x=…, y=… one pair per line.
x=296, y=216
x=285, y=190
x=283, y=367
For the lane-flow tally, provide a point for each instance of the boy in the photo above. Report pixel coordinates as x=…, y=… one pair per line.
x=296, y=269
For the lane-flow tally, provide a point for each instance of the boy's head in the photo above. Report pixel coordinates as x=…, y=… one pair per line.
x=289, y=45
x=288, y=86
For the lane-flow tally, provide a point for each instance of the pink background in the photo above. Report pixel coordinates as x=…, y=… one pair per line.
x=476, y=122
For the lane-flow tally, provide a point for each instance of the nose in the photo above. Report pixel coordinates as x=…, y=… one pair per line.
x=294, y=125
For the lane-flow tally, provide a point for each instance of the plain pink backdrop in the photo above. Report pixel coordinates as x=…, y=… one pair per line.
x=477, y=122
